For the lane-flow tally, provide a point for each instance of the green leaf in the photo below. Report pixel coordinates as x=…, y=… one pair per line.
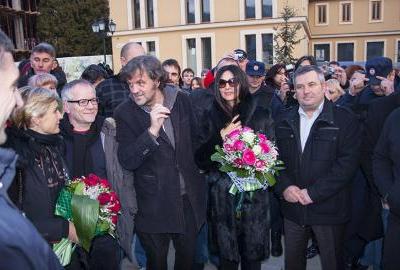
x=85, y=213
x=226, y=168
x=217, y=157
x=241, y=173
x=270, y=178
x=79, y=188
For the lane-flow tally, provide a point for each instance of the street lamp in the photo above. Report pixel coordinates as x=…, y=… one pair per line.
x=103, y=28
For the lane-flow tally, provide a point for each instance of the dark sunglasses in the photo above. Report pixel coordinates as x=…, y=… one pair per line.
x=232, y=83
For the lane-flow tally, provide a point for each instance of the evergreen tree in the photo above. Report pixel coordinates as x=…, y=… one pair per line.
x=285, y=37
x=67, y=26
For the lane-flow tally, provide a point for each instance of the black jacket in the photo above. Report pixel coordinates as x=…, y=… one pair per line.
x=157, y=164
x=21, y=246
x=386, y=163
x=35, y=190
x=263, y=96
x=325, y=168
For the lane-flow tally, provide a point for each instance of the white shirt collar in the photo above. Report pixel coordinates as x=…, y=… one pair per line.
x=315, y=113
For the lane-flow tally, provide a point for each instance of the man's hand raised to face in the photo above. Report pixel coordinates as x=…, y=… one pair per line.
x=157, y=116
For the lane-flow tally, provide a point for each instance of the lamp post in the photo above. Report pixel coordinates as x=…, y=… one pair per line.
x=104, y=27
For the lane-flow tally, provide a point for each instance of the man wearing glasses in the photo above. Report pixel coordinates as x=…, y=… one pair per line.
x=85, y=153
x=319, y=144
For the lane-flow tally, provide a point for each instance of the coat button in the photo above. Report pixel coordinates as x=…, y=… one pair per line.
x=291, y=135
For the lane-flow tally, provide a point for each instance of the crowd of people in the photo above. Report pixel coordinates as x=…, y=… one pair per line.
x=151, y=130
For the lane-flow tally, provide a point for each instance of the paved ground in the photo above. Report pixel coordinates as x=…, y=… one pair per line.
x=270, y=264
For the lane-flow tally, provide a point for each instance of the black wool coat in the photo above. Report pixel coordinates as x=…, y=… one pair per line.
x=156, y=166
x=326, y=167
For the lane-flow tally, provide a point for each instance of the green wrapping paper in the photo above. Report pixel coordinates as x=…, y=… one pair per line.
x=85, y=213
x=63, y=250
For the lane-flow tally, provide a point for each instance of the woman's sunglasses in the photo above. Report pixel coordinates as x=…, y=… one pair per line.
x=232, y=83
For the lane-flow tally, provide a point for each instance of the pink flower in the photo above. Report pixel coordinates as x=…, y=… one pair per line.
x=265, y=148
x=234, y=134
x=238, y=145
x=228, y=147
x=244, y=129
x=249, y=157
x=262, y=138
x=113, y=196
x=259, y=164
x=238, y=162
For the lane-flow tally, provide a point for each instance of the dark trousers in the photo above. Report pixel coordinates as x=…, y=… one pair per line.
x=391, y=245
x=275, y=212
x=156, y=245
x=105, y=253
x=330, y=242
x=244, y=265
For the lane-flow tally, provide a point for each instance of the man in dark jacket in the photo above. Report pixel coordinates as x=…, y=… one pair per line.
x=21, y=246
x=42, y=60
x=255, y=72
x=81, y=129
x=155, y=142
x=113, y=91
x=319, y=144
x=386, y=169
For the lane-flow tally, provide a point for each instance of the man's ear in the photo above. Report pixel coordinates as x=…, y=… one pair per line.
x=122, y=60
x=66, y=107
x=324, y=87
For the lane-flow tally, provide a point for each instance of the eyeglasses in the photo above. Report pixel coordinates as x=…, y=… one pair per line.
x=232, y=83
x=85, y=102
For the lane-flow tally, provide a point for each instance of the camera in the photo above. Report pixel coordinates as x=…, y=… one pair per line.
x=290, y=75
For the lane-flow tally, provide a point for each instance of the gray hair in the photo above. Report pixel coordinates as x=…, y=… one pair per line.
x=66, y=91
x=40, y=80
x=145, y=63
x=44, y=48
x=5, y=45
x=306, y=69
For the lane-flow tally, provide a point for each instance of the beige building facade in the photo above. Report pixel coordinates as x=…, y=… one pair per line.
x=199, y=32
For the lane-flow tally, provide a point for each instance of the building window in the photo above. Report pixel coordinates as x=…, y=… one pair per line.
x=322, y=52
x=136, y=13
x=259, y=45
x=267, y=8
x=190, y=11
x=376, y=10
x=267, y=48
x=205, y=10
x=151, y=48
x=206, y=62
x=250, y=9
x=375, y=49
x=198, y=52
x=398, y=51
x=345, y=52
x=251, y=46
x=345, y=12
x=149, y=13
x=322, y=14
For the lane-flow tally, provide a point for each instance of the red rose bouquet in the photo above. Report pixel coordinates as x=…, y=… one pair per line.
x=92, y=206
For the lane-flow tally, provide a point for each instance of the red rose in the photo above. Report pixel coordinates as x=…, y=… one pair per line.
x=104, y=183
x=116, y=207
x=104, y=198
x=89, y=181
x=249, y=157
x=114, y=196
x=264, y=147
x=114, y=219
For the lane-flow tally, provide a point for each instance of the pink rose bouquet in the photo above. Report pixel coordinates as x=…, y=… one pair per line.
x=250, y=160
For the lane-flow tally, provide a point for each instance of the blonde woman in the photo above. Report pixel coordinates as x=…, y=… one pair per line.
x=41, y=170
x=45, y=80
x=333, y=90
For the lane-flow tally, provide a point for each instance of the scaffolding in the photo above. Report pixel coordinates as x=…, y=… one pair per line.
x=18, y=21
